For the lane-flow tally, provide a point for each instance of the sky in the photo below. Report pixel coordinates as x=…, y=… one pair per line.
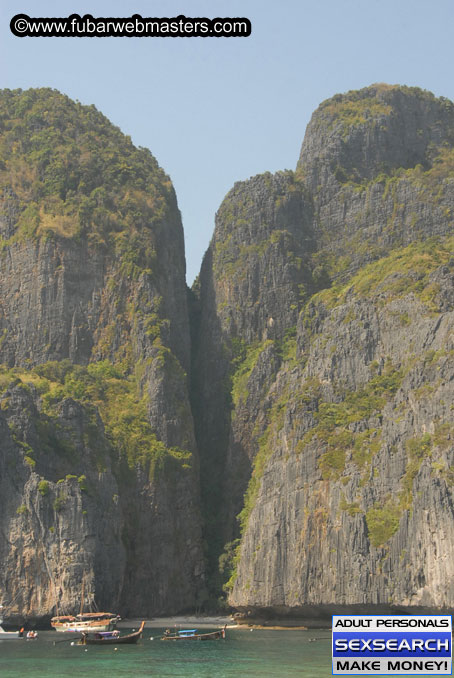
x=214, y=111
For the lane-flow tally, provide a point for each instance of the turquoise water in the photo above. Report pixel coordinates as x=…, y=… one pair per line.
x=245, y=654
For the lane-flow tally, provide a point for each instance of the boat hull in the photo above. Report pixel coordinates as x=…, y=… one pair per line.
x=85, y=623
x=213, y=635
x=9, y=635
x=82, y=627
x=129, y=639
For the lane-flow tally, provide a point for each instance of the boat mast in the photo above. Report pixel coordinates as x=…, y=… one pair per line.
x=82, y=597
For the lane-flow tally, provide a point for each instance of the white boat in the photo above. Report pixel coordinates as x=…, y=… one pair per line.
x=84, y=622
x=9, y=635
x=87, y=622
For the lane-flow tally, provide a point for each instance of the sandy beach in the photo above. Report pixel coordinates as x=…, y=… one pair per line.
x=180, y=622
x=205, y=622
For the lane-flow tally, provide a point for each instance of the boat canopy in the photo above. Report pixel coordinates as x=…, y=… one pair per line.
x=189, y=632
x=96, y=615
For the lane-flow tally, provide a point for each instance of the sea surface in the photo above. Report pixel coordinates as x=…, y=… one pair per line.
x=256, y=654
x=244, y=653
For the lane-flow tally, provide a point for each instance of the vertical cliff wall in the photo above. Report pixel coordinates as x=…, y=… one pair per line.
x=258, y=256
x=337, y=376
x=99, y=456
x=294, y=444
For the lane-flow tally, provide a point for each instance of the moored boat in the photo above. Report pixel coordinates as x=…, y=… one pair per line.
x=111, y=637
x=9, y=635
x=85, y=622
x=192, y=634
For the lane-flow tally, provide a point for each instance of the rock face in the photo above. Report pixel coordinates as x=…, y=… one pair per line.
x=338, y=419
x=377, y=163
x=284, y=429
x=101, y=486
x=355, y=499
x=257, y=257
x=58, y=537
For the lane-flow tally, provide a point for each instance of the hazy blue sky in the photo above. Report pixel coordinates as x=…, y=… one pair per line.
x=214, y=110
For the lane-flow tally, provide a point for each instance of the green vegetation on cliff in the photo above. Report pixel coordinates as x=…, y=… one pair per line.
x=383, y=522
x=405, y=270
x=66, y=170
x=352, y=109
x=101, y=389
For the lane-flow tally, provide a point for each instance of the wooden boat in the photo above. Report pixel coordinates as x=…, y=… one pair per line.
x=192, y=634
x=85, y=622
x=111, y=637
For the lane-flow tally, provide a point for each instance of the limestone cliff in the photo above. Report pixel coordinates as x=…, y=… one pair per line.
x=98, y=459
x=288, y=432
x=337, y=416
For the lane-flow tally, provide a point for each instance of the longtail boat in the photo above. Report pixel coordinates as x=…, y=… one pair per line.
x=111, y=637
x=192, y=634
